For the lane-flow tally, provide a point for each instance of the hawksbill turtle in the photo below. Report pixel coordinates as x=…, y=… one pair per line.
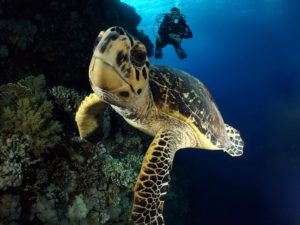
x=168, y=104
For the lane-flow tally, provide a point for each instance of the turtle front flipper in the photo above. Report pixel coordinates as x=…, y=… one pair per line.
x=89, y=117
x=236, y=142
x=153, y=181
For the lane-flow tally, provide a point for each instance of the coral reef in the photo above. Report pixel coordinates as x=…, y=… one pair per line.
x=13, y=158
x=57, y=38
x=122, y=172
x=66, y=180
x=29, y=117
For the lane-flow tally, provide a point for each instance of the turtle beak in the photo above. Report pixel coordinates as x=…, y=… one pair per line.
x=104, y=76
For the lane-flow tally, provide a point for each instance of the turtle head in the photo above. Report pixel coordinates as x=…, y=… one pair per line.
x=119, y=66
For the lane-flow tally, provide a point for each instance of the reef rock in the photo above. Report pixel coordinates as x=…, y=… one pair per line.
x=56, y=38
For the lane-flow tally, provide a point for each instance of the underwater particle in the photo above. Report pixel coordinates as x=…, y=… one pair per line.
x=78, y=210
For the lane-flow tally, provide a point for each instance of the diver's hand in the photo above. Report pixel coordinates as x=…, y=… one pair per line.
x=178, y=40
x=175, y=37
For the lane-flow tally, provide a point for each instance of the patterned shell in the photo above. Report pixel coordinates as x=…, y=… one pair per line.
x=184, y=97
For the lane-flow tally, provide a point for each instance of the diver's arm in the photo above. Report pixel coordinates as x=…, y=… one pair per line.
x=163, y=31
x=187, y=32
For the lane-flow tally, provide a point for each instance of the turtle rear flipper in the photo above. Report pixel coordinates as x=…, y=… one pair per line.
x=237, y=144
x=89, y=118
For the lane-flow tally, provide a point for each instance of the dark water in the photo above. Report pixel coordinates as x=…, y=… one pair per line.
x=248, y=54
x=253, y=71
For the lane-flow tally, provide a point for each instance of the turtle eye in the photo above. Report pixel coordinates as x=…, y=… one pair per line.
x=138, y=57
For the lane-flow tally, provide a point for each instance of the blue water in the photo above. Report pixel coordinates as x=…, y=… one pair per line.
x=248, y=54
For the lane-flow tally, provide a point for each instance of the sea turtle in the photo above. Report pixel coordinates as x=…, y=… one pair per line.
x=163, y=102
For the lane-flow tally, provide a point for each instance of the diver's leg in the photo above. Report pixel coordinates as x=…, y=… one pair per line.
x=158, y=48
x=180, y=52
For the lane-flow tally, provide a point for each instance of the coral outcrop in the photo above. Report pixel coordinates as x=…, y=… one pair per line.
x=48, y=175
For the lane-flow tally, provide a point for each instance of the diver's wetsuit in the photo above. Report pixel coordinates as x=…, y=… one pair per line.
x=169, y=27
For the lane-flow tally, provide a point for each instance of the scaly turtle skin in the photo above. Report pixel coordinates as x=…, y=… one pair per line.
x=166, y=103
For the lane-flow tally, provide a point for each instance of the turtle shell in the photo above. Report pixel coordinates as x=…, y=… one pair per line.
x=184, y=97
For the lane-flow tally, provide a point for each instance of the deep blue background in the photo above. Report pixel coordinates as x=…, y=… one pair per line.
x=247, y=53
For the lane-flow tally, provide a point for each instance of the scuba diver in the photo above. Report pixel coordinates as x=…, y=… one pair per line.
x=171, y=31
